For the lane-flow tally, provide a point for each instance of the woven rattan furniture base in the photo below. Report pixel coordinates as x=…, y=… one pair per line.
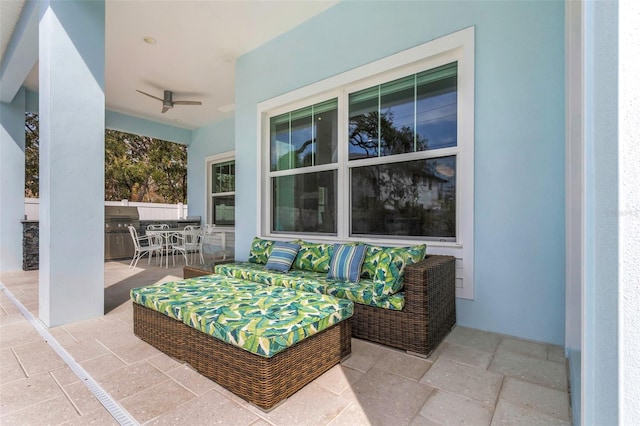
x=429, y=312
x=264, y=382
x=194, y=271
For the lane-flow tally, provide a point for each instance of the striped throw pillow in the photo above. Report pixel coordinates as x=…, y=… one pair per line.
x=282, y=256
x=346, y=262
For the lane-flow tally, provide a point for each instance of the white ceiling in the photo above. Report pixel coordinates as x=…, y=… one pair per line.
x=197, y=43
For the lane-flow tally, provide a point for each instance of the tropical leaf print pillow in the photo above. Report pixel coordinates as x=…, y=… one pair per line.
x=260, y=250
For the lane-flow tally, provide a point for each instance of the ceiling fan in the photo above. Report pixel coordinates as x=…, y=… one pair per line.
x=168, y=102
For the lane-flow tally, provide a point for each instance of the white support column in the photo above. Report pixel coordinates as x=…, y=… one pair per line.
x=12, y=137
x=629, y=202
x=72, y=116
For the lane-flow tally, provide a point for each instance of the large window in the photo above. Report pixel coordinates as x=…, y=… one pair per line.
x=410, y=198
x=306, y=137
x=400, y=182
x=303, y=144
x=409, y=115
x=382, y=153
x=222, y=197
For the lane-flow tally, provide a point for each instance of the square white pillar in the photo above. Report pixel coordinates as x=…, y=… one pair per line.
x=72, y=114
x=12, y=140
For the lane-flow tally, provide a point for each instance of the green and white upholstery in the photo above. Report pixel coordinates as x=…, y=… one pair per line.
x=363, y=292
x=261, y=319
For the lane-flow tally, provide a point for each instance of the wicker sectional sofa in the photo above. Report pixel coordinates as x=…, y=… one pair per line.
x=263, y=329
x=403, y=298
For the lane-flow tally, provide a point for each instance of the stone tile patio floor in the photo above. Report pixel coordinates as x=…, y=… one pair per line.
x=473, y=378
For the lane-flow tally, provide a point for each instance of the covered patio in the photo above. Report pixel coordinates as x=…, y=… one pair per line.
x=474, y=377
x=544, y=225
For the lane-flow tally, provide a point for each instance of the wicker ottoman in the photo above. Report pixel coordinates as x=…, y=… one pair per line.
x=264, y=381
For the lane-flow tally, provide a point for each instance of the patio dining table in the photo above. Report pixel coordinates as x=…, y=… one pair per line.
x=166, y=234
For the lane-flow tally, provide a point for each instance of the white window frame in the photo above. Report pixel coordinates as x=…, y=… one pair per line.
x=458, y=46
x=208, y=163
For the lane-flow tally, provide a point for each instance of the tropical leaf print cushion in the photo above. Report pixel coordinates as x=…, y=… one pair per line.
x=313, y=257
x=261, y=319
x=172, y=298
x=274, y=319
x=385, y=266
x=363, y=292
x=260, y=250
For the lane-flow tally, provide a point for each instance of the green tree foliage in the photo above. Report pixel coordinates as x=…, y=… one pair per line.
x=169, y=171
x=32, y=147
x=138, y=168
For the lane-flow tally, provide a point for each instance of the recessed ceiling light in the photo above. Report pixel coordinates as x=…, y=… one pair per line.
x=149, y=40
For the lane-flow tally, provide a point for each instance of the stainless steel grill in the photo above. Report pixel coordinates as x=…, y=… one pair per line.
x=117, y=240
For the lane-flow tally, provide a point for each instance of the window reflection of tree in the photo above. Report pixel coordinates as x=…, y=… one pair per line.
x=389, y=199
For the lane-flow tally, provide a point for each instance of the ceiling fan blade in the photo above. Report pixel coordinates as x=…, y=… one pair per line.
x=151, y=96
x=187, y=103
x=165, y=109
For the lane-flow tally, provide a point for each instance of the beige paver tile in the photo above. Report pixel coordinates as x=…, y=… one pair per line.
x=18, y=333
x=354, y=414
x=102, y=365
x=376, y=389
x=469, y=382
x=510, y=414
x=260, y=422
x=467, y=355
x=556, y=354
x=134, y=351
x=10, y=318
x=539, y=398
x=530, y=369
x=19, y=394
x=209, y=409
x=191, y=379
x=123, y=313
x=82, y=398
x=402, y=364
x=116, y=335
x=163, y=362
x=38, y=357
x=451, y=409
x=84, y=330
x=61, y=335
x=478, y=339
x=311, y=405
x=129, y=380
x=364, y=355
x=99, y=417
x=339, y=378
x=421, y=421
x=52, y=411
x=10, y=368
x=64, y=376
x=85, y=350
x=525, y=347
x=433, y=356
x=155, y=401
